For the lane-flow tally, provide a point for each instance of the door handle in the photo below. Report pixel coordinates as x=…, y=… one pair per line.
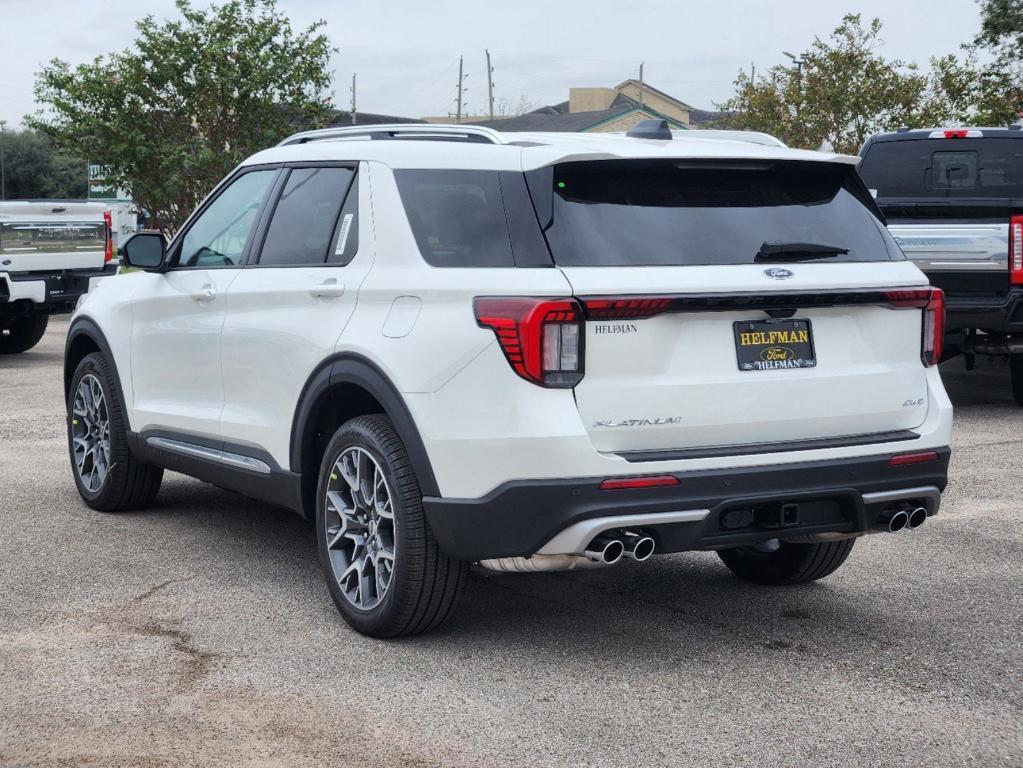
x=206, y=293
x=328, y=289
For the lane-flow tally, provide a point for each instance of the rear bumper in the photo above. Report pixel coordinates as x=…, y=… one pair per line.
x=1000, y=314
x=522, y=518
x=48, y=291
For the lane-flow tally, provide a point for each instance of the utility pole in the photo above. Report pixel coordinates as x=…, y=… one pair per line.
x=3, y=169
x=461, y=90
x=798, y=62
x=354, y=113
x=490, y=85
x=641, y=83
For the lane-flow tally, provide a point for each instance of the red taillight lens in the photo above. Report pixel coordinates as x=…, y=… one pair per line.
x=934, y=328
x=542, y=338
x=626, y=307
x=650, y=481
x=1016, y=250
x=108, y=228
x=932, y=302
x=912, y=458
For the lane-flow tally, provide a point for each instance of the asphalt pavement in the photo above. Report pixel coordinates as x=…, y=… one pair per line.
x=200, y=633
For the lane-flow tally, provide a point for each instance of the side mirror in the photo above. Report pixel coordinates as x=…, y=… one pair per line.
x=145, y=250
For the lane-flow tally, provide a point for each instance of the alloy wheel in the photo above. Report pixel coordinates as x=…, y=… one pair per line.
x=360, y=528
x=90, y=433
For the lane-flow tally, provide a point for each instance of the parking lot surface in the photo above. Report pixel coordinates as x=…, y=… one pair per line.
x=200, y=632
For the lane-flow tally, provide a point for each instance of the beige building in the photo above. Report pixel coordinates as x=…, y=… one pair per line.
x=600, y=110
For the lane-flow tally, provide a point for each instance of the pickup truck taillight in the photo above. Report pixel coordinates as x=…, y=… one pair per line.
x=932, y=302
x=108, y=228
x=1016, y=250
x=541, y=338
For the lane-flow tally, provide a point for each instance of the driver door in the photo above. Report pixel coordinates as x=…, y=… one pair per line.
x=178, y=315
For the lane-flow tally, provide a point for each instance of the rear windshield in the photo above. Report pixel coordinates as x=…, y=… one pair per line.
x=945, y=168
x=668, y=213
x=52, y=236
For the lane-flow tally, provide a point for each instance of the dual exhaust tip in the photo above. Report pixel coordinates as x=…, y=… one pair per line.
x=906, y=518
x=609, y=548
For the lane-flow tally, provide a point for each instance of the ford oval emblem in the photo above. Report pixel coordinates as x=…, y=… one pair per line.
x=777, y=273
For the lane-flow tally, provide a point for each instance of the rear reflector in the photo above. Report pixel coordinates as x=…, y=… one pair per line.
x=541, y=338
x=1016, y=250
x=912, y=458
x=650, y=481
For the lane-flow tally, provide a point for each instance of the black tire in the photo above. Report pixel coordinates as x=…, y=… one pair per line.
x=129, y=483
x=22, y=333
x=1016, y=376
x=425, y=583
x=789, y=563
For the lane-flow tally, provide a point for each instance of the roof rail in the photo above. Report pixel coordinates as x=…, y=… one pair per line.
x=415, y=131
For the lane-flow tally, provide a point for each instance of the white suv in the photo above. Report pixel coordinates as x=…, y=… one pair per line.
x=533, y=351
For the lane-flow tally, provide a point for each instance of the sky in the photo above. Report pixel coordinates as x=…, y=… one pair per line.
x=406, y=52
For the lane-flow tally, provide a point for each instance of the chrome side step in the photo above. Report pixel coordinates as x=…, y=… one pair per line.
x=210, y=454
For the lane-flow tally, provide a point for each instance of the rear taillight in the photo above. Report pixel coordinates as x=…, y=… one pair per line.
x=932, y=302
x=108, y=229
x=542, y=338
x=626, y=307
x=1016, y=250
x=934, y=328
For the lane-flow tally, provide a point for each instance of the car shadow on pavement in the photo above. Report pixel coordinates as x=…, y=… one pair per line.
x=672, y=604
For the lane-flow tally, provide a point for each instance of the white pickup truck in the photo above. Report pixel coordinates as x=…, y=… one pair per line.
x=51, y=251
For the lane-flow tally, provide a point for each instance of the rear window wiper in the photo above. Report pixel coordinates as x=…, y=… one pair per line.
x=777, y=251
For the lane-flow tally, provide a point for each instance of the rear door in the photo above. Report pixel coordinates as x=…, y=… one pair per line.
x=693, y=342
x=289, y=305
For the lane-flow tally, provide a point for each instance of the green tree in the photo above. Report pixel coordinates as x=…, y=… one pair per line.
x=844, y=91
x=998, y=92
x=1001, y=23
x=173, y=114
x=35, y=169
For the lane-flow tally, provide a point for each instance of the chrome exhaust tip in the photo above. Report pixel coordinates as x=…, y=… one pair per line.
x=898, y=521
x=638, y=547
x=917, y=517
x=605, y=550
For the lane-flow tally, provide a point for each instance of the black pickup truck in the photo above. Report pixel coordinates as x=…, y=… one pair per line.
x=953, y=198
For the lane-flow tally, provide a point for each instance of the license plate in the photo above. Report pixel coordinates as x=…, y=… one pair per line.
x=766, y=345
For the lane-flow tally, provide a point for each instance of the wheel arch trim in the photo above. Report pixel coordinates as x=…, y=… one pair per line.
x=351, y=368
x=86, y=326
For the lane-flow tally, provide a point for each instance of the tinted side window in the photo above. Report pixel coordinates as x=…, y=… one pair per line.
x=457, y=217
x=305, y=216
x=218, y=237
x=345, y=242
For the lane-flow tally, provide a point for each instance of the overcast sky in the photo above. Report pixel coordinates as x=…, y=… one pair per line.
x=406, y=51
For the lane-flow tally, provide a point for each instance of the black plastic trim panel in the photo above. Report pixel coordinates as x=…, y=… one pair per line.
x=518, y=518
x=278, y=487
